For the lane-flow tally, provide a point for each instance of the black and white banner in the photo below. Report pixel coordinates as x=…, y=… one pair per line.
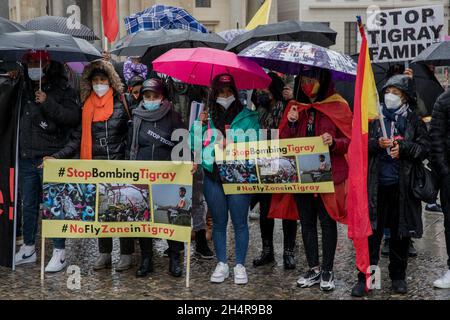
x=8, y=127
x=402, y=34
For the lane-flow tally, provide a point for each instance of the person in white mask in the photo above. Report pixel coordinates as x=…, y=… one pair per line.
x=392, y=158
x=102, y=135
x=225, y=111
x=50, y=111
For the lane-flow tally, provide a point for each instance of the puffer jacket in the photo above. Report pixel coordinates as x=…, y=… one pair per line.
x=109, y=138
x=440, y=135
x=45, y=128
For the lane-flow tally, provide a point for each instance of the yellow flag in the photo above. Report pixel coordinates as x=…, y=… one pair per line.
x=261, y=17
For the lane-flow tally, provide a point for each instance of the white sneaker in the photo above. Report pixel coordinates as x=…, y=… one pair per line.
x=444, y=282
x=221, y=272
x=240, y=275
x=26, y=254
x=57, y=262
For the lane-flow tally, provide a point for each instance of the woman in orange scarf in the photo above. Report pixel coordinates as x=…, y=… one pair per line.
x=319, y=111
x=102, y=136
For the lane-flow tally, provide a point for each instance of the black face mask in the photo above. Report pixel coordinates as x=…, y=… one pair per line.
x=263, y=99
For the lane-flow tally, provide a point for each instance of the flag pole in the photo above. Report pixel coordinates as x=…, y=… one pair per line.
x=380, y=117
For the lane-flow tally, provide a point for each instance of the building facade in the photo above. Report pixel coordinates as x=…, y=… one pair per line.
x=219, y=15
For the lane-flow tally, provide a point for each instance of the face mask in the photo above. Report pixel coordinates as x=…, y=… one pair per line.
x=101, y=89
x=226, y=102
x=392, y=101
x=35, y=74
x=263, y=99
x=151, y=105
x=311, y=89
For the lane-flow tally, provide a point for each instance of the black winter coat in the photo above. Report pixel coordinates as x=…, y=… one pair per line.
x=413, y=150
x=440, y=135
x=108, y=137
x=154, y=138
x=45, y=128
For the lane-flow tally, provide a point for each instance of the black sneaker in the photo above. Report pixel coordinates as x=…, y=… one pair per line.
x=434, y=207
x=310, y=278
x=204, y=252
x=412, y=252
x=399, y=286
x=385, y=248
x=166, y=252
x=327, y=281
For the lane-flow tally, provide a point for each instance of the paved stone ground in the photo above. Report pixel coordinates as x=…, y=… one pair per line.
x=269, y=282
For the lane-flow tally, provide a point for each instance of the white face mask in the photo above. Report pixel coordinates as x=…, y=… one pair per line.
x=392, y=101
x=226, y=102
x=35, y=74
x=100, y=89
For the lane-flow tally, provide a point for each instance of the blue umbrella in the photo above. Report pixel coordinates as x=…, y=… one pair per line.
x=292, y=57
x=161, y=16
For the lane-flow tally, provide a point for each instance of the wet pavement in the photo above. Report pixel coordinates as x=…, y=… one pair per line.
x=267, y=282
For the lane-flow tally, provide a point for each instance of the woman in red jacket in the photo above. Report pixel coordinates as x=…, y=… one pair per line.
x=320, y=111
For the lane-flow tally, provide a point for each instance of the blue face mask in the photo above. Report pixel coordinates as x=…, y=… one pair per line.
x=152, y=105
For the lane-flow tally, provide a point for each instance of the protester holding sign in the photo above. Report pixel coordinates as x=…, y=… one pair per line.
x=392, y=160
x=49, y=110
x=270, y=108
x=102, y=135
x=153, y=122
x=224, y=110
x=320, y=112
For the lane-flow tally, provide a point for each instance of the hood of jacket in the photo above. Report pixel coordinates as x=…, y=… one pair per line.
x=114, y=79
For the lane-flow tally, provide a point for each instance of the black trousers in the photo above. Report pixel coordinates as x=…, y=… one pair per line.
x=146, y=245
x=267, y=225
x=388, y=217
x=311, y=207
x=445, y=201
x=105, y=245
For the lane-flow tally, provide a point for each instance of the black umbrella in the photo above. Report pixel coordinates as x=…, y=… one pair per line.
x=438, y=54
x=313, y=32
x=62, y=47
x=61, y=25
x=427, y=87
x=151, y=44
x=10, y=26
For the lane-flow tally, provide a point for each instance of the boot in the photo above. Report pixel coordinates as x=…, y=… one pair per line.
x=267, y=255
x=145, y=267
x=289, y=259
x=359, y=290
x=201, y=245
x=175, y=268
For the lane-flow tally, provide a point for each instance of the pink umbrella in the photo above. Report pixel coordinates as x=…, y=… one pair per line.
x=200, y=65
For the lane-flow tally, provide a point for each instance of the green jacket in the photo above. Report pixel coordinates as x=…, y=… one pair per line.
x=245, y=120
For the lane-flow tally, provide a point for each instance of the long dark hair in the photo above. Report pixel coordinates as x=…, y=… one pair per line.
x=326, y=85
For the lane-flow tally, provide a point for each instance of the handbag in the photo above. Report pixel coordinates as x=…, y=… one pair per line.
x=424, y=183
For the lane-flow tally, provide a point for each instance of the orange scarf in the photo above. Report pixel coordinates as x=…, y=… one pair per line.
x=95, y=109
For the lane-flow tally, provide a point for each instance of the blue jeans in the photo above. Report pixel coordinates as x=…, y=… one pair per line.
x=220, y=204
x=31, y=192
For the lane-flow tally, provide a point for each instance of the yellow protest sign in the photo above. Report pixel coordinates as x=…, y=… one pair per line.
x=99, y=198
x=300, y=165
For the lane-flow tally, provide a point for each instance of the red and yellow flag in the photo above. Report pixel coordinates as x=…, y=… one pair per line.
x=365, y=108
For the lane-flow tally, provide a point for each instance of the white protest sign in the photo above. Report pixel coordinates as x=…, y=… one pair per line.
x=402, y=34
